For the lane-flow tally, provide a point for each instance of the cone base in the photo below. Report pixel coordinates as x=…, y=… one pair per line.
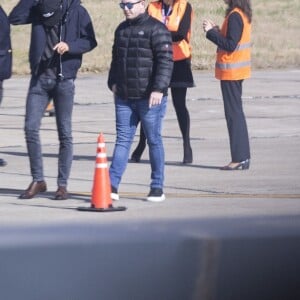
x=108, y=209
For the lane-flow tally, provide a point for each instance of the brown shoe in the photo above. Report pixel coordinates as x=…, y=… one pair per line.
x=61, y=193
x=34, y=188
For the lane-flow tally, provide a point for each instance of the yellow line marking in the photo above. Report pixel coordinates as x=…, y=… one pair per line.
x=207, y=195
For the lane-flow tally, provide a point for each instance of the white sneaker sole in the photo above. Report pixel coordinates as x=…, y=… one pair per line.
x=114, y=196
x=156, y=199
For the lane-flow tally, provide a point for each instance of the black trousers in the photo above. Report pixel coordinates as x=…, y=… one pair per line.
x=235, y=118
x=182, y=113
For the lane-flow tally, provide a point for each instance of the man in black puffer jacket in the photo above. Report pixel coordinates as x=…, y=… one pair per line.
x=139, y=77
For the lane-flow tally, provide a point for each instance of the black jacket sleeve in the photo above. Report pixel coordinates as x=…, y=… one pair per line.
x=113, y=65
x=162, y=49
x=184, y=25
x=5, y=47
x=86, y=40
x=23, y=12
x=233, y=36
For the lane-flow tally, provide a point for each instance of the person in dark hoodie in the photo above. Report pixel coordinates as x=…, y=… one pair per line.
x=5, y=56
x=61, y=32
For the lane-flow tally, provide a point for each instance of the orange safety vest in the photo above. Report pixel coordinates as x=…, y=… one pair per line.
x=235, y=65
x=181, y=49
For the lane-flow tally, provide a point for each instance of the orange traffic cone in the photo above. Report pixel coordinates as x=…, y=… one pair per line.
x=101, y=200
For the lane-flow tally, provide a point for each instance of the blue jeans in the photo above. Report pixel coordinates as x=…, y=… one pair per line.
x=128, y=115
x=42, y=89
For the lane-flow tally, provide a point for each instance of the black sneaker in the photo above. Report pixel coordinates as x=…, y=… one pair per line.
x=156, y=195
x=2, y=162
x=114, y=194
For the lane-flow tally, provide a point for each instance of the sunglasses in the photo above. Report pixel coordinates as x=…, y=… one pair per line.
x=129, y=5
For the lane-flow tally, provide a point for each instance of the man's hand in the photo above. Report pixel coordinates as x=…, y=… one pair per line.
x=61, y=48
x=155, y=99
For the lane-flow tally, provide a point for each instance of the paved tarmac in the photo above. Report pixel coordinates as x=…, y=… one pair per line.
x=269, y=189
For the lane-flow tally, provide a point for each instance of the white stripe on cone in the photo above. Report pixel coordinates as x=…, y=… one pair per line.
x=101, y=145
x=101, y=166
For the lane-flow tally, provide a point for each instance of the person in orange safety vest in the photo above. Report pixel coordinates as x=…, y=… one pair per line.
x=177, y=15
x=233, y=65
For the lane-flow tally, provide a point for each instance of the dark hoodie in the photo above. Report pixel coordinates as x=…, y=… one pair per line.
x=79, y=37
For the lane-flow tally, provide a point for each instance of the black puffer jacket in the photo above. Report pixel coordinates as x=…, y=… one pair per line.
x=141, y=58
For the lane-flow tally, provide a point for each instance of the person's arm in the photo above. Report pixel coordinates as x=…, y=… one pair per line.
x=23, y=12
x=184, y=25
x=233, y=36
x=86, y=41
x=111, y=82
x=163, y=56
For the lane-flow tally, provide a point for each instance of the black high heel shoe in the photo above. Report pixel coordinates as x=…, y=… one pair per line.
x=243, y=165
